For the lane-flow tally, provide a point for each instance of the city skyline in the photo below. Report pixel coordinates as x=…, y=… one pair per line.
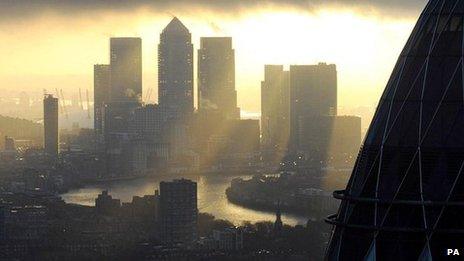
x=374, y=28
x=241, y=130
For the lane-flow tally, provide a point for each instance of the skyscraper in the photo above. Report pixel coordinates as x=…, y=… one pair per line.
x=179, y=213
x=275, y=108
x=175, y=70
x=50, y=125
x=313, y=92
x=101, y=90
x=125, y=97
x=126, y=69
x=216, y=76
x=405, y=197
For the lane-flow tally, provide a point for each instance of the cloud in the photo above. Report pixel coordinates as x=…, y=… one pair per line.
x=23, y=9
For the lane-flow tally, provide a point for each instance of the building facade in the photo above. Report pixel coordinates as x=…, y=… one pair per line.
x=126, y=69
x=179, y=212
x=216, y=76
x=332, y=140
x=101, y=92
x=50, y=125
x=275, y=111
x=313, y=92
x=175, y=70
x=405, y=197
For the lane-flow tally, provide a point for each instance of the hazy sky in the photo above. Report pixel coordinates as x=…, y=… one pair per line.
x=48, y=44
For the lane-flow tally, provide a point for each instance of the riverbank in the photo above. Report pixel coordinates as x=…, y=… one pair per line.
x=211, y=197
x=295, y=194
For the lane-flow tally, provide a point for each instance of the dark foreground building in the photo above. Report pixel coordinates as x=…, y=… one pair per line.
x=405, y=198
x=179, y=212
x=50, y=125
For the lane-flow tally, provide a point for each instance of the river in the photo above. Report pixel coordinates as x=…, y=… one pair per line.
x=211, y=197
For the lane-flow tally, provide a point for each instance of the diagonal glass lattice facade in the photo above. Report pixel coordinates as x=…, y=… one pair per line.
x=405, y=198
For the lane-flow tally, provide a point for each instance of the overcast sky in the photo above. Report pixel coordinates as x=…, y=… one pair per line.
x=21, y=9
x=48, y=44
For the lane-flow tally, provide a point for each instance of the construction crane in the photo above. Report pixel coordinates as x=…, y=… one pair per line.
x=60, y=102
x=88, y=103
x=64, y=104
x=147, y=98
x=80, y=100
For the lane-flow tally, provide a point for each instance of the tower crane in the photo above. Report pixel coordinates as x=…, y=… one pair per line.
x=88, y=103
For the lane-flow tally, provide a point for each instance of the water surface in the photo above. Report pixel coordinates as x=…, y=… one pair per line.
x=211, y=197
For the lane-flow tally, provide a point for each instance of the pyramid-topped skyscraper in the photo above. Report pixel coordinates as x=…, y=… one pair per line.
x=405, y=198
x=175, y=70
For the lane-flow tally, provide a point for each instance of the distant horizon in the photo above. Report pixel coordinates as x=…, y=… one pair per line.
x=57, y=51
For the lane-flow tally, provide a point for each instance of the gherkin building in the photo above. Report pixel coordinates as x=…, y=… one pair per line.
x=405, y=197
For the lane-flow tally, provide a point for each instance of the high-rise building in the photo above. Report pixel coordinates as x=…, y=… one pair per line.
x=10, y=144
x=216, y=76
x=105, y=204
x=125, y=96
x=275, y=108
x=148, y=122
x=313, y=92
x=179, y=212
x=175, y=70
x=101, y=90
x=50, y=125
x=126, y=69
x=405, y=197
x=330, y=140
x=150, y=148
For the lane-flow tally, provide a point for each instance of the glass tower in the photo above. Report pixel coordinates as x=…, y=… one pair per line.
x=405, y=198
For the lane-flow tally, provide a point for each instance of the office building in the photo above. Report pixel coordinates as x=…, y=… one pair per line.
x=101, y=92
x=217, y=140
x=26, y=224
x=50, y=125
x=148, y=122
x=405, y=197
x=331, y=140
x=179, y=213
x=126, y=69
x=147, y=156
x=9, y=144
x=175, y=70
x=275, y=110
x=216, y=77
x=106, y=205
x=313, y=92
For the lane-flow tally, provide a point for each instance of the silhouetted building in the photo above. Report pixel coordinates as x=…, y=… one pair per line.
x=216, y=77
x=150, y=147
x=179, y=213
x=9, y=144
x=275, y=111
x=405, y=197
x=175, y=70
x=101, y=92
x=228, y=239
x=148, y=122
x=126, y=69
x=26, y=224
x=118, y=134
x=51, y=125
x=106, y=205
x=147, y=156
x=313, y=92
x=333, y=140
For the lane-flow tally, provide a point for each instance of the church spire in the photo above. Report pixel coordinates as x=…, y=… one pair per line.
x=278, y=222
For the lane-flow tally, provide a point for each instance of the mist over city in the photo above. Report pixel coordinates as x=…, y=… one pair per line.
x=231, y=130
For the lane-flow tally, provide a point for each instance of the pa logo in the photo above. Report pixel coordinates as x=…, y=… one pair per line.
x=452, y=252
